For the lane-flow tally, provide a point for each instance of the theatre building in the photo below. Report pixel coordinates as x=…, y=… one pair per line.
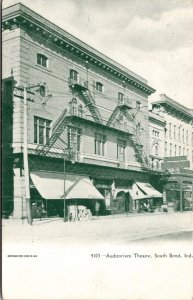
x=87, y=121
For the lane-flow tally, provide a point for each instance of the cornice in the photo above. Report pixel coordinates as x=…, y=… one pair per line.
x=20, y=16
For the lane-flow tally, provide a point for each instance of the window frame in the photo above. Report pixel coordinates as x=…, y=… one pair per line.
x=42, y=60
x=100, y=141
x=42, y=130
x=99, y=87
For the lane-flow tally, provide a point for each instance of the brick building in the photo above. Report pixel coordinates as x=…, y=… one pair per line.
x=86, y=110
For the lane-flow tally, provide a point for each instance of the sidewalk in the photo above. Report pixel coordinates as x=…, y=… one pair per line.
x=104, y=229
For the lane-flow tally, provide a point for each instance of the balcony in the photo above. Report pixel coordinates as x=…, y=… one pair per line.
x=79, y=84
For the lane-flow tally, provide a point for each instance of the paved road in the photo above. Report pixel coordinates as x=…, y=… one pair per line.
x=183, y=236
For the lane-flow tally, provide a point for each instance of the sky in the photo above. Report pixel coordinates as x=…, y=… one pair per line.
x=153, y=38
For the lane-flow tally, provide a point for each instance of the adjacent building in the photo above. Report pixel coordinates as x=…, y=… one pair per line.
x=177, y=149
x=87, y=120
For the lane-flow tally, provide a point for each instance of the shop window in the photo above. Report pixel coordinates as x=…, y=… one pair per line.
x=74, y=75
x=121, y=146
x=74, y=138
x=42, y=60
x=41, y=130
x=99, y=87
x=100, y=140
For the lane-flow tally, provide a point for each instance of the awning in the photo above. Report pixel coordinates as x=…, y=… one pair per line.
x=136, y=193
x=149, y=190
x=51, y=186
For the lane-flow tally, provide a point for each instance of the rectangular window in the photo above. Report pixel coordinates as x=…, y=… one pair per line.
x=42, y=60
x=121, y=146
x=187, y=137
x=180, y=150
x=192, y=139
x=41, y=131
x=99, y=87
x=170, y=149
x=138, y=105
x=183, y=151
x=192, y=155
x=170, y=130
x=187, y=153
x=175, y=150
x=165, y=149
x=183, y=136
x=179, y=133
x=74, y=138
x=174, y=132
x=100, y=140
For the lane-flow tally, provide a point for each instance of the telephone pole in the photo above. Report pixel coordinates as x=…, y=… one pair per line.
x=25, y=158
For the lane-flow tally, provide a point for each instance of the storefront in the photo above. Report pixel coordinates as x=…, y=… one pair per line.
x=50, y=188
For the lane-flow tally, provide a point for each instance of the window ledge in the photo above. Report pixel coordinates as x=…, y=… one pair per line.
x=43, y=68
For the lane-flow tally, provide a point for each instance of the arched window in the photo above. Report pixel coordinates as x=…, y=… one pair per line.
x=120, y=96
x=74, y=75
x=99, y=87
x=42, y=60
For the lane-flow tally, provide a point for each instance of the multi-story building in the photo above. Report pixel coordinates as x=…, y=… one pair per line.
x=156, y=139
x=85, y=110
x=177, y=145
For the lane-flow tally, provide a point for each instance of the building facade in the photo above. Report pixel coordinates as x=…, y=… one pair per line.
x=83, y=108
x=177, y=154
x=156, y=138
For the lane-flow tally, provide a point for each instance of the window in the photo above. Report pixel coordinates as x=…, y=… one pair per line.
x=41, y=131
x=80, y=110
x=165, y=131
x=138, y=105
x=192, y=138
x=156, y=150
x=121, y=146
x=100, y=140
x=183, y=151
x=120, y=97
x=74, y=138
x=183, y=135
x=170, y=130
x=74, y=75
x=179, y=133
x=175, y=150
x=156, y=133
x=165, y=149
x=192, y=155
x=187, y=137
x=174, y=132
x=170, y=149
x=99, y=87
x=180, y=150
x=42, y=60
x=187, y=153
x=74, y=106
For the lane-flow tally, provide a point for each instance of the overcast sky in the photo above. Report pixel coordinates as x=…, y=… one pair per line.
x=153, y=38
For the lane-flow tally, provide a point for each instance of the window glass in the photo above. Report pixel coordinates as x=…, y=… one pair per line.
x=41, y=130
x=42, y=60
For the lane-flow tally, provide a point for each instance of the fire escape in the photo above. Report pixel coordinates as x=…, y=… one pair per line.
x=58, y=130
x=81, y=88
x=123, y=109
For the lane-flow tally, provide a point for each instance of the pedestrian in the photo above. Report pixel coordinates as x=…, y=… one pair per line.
x=39, y=212
x=97, y=208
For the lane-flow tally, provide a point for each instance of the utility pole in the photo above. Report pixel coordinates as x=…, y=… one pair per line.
x=25, y=158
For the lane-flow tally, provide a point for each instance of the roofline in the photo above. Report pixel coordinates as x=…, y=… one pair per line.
x=173, y=104
x=20, y=10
